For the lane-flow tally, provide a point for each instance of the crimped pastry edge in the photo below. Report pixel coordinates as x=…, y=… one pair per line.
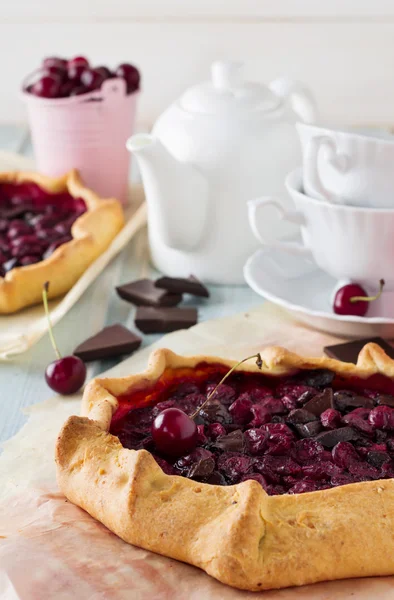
x=92, y=233
x=237, y=534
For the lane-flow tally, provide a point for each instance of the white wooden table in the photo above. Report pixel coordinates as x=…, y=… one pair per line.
x=22, y=380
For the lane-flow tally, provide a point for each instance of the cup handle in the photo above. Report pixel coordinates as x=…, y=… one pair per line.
x=338, y=161
x=255, y=206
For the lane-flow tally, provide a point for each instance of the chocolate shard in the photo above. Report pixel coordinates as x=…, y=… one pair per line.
x=307, y=430
x=112, y=341
x=300, y=415
x=319, y=403
x=232, y=442
x=329, y=439
x=180, y=285
x=203, y=468
x=349, y=351
x=344, y=401
x=319, y=378
x=386, y=400
x=164, y=320
x=143, y=292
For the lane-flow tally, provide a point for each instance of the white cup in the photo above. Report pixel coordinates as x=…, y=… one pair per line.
x=347, y=242
x=348, y=167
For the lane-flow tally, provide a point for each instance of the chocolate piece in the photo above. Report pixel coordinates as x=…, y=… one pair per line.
x=385, y=400
x=163, y=320
x=232, y=442
x=143, y=292
x=329, y=439
x=180, y=285
x=343, y=401
x=349, y=351
x=300, y=415
x=377, y=459
x=307, y=430
x=112, y=341
x=320, y=378
x=320, y=402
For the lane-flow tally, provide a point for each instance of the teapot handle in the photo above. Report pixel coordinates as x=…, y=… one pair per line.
x=301, y=98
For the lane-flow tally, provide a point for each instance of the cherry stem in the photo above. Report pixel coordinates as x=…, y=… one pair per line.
x=259, y=363
x=50, y=330
x=369, y=298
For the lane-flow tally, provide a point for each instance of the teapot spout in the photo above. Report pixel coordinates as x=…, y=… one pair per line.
x=176, y=193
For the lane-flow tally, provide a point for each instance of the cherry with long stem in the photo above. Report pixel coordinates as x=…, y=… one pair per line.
x=67, y=374
x=174, y=432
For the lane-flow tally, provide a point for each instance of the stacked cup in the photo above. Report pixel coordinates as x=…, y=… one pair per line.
x=344, y=200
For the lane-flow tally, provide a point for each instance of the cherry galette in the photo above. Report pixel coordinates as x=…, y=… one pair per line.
x=50, y=230
x=291, y=464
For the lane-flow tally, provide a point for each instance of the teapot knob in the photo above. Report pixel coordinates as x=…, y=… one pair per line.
x=226, y=74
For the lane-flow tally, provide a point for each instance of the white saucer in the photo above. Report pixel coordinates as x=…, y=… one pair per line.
x=303, y=289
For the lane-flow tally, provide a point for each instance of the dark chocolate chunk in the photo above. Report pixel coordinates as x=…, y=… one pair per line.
x=349, y=351
x=307, y=430
x=112, y=341
x=386, y=400
x=300, y=415
x=344, y=401
x=320, y=402
x=214, y=412
x=143, y=292
x=232, y=442
x=377, y=459
x=203, y=468
x=163, y=320
x=180, y=285
x=320, y=378
x=330, y=438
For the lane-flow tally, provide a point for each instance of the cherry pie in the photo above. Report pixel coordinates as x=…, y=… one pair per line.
x=290, y=481
x=50, y=230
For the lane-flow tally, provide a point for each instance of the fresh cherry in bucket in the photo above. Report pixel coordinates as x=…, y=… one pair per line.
x=351, y=299
x=67, y=374
x=62, y=78
x=47, y=86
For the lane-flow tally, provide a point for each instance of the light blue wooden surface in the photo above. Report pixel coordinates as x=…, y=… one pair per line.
x=22, y=381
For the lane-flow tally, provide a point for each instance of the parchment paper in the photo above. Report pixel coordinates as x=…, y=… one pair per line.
x=50, y=549
x=20, y=331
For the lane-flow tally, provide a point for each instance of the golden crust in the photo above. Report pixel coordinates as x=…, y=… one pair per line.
x=92, y=234
x=238, y=534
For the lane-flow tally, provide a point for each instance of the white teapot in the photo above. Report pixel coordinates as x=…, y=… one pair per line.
x=221, y=144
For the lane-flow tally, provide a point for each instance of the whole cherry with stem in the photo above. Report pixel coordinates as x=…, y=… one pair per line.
x=352, y=299
x=174, y=432
x=67, y=374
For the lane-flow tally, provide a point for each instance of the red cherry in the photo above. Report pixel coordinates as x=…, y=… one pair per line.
x=59, y=72
x=74, y=72
x=46, y=87
x=130, y=74
x=174, y=432
x=92, y=79
x=66, y=375
x=78, y=60
x=105, y=72
x=54, y=61
x=352, y=299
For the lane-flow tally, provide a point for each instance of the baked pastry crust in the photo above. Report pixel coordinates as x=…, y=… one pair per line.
x=237, y=534
x=92, y=233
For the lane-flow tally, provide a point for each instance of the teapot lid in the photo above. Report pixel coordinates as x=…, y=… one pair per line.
x=228, y=92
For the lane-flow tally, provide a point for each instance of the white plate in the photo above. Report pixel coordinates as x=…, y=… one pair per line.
x=303, y=289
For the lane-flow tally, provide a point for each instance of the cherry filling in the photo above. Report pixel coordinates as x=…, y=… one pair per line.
x=33, y=223
x=298, y=434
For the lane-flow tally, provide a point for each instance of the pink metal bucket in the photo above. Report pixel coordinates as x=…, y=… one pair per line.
x=87, y=132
